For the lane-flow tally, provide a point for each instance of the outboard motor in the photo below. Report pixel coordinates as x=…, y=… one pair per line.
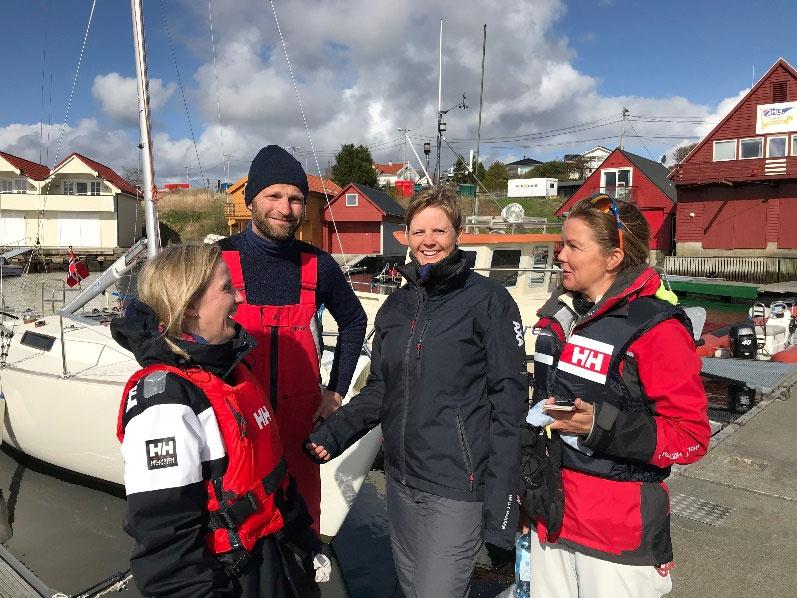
x=743, y=341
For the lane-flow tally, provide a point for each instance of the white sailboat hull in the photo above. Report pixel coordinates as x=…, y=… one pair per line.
x=70, y=421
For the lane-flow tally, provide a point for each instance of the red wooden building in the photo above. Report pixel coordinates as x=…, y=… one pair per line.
x=361, y=220
x=737, y=189
x=641, y=181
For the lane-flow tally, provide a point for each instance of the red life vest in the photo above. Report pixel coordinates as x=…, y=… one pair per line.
x=242, y=502
x=286, y=363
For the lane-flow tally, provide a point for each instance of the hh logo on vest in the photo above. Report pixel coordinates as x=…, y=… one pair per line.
x=161, y=452
x=586, y=358
x=262, y=417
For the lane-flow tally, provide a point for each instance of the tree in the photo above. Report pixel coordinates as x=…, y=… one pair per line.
x=353, y=165
x=134, y=176
x=679, y=153
x=579, y=165
x=496, y=176
x=462, y=175
x=556, y=169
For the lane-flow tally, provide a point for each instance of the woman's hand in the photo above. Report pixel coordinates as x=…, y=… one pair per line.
x=578, y=421
x=319, y=451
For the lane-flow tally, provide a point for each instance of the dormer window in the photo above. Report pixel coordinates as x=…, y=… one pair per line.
x=81, y=187
x=13, y=185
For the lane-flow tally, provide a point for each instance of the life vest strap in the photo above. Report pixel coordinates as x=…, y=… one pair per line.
x=309, y=278
x=233, y=260
x=233, y=514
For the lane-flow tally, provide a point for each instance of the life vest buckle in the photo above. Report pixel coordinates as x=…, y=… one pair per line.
x=232, y=515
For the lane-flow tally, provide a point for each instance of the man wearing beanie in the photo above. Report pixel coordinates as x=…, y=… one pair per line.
x=284, y=282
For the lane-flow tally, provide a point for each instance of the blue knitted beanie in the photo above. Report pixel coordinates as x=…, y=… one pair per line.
x=273, y=166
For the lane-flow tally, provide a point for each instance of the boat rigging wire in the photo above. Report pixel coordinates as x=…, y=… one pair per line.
x=216, y=78
x=74, y=82
x=180, y=84
x=327, y=195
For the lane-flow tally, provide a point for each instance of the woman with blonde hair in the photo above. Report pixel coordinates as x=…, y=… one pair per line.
x=207, y=487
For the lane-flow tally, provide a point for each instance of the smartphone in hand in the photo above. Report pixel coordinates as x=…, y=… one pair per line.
x=560, y=405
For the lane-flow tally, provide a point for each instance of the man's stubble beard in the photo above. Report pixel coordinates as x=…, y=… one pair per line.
x=278, y=235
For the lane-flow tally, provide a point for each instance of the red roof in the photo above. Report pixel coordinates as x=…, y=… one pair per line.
x=37, y=172
x=389, y=168
x=314, y=183
x=104, y=171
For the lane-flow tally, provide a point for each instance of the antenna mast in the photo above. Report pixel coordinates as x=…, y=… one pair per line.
x=623, y=114
x=479, y=127
x=440, y=124
x=150, y=214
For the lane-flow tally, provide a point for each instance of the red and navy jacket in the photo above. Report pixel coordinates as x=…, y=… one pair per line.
x=631, y=356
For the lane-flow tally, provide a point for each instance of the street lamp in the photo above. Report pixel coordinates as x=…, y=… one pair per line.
x=427, y=149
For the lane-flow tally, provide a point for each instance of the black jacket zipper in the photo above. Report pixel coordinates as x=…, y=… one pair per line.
x=463, y=440
x=413, y=324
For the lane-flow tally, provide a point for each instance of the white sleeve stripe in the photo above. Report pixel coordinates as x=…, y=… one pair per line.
x=162, y=448
x=214, y=445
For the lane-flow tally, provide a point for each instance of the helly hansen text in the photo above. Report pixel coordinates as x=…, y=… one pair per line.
x=161, y=452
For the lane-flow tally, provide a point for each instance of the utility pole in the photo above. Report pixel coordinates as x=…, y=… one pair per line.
x=441, y=126
x=623, y=114
x=404, y=145
x=293, y=149
x=187, y=179
x=226, y=168
x=427, y=149
x=479, y=127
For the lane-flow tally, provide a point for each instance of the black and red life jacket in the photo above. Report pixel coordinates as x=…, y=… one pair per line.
x=243, y=503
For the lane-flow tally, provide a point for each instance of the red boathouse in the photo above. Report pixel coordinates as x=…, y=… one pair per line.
x=737, y=189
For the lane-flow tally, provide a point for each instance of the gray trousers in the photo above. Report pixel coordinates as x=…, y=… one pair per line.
x=435, y=541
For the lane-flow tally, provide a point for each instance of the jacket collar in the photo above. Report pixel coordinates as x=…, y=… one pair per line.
x=447, y=275
x=638, y=281
x=138, y=331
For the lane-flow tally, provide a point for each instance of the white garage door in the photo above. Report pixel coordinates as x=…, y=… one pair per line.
x=12, y=229
x=79, y=232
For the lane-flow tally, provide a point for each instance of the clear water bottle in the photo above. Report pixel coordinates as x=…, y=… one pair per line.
x=523, y=566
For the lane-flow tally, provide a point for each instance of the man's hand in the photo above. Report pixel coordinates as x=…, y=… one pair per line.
x=578, y=421
x=330, y=401
x=317, y=451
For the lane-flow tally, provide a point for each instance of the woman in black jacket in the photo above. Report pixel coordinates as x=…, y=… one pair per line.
x=448, y=384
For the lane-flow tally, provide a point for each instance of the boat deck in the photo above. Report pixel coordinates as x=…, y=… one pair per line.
x=762, y=376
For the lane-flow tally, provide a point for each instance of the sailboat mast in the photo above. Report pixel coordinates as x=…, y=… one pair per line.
x=150, y=214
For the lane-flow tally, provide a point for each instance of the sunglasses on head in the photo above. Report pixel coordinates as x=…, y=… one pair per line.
x=606, y=204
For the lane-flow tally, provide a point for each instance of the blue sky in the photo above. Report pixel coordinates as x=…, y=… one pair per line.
x=366, y=67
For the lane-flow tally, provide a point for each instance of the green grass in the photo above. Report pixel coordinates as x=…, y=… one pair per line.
x=194, y=214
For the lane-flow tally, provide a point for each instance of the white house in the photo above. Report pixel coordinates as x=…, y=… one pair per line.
x=593, y=158
x=80, y=202
x=388, y=174
x=538, y=187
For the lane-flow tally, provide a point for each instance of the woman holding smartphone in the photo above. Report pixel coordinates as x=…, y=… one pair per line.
x=616, y=367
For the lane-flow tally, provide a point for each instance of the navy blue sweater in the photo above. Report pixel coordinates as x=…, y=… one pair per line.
x=272, y=277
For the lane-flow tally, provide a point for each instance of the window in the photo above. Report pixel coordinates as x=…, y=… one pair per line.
x=82, y=187
x=724, y=150
x=794, y=145
x=615, y=181
x=539, y=260
x=776, y=147
x=13, y=185
x=351, y=200
x=751, y=148
x=779, y=91
x=507, y=260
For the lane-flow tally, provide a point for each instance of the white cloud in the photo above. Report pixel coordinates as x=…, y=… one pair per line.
x=118, y=96
x=363, y=69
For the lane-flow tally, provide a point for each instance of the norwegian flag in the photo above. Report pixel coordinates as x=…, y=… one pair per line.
x=77, y=270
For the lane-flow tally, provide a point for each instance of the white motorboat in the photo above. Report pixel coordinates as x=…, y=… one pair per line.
x=63, y=375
